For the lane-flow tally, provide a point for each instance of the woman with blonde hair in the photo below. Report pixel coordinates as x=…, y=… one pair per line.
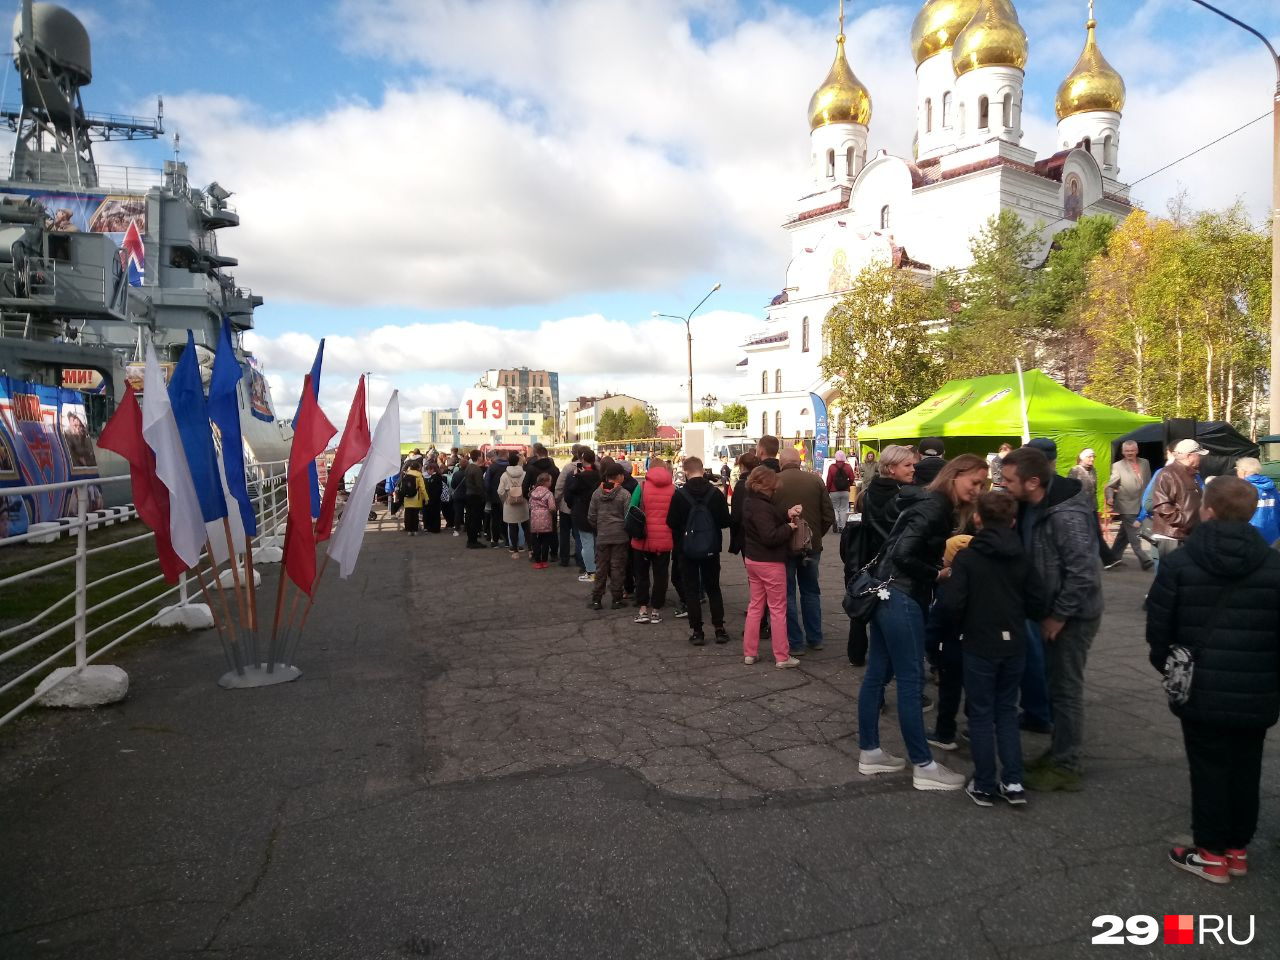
x=911, y=563
x=767, y=531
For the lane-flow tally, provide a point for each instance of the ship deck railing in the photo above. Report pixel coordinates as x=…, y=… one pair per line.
x=126, y=179
x=112, y=588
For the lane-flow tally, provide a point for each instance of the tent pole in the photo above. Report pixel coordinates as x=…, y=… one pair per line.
x=1022, y=394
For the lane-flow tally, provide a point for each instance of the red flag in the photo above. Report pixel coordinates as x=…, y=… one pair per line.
x=123, y=435
x=312, y=432
x=351, y=450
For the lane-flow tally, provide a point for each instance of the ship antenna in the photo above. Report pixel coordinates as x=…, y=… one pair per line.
x=177, y=145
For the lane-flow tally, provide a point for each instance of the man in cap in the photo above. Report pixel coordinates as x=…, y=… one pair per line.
x=932, y=457
x=1175, y=501
x=1048, y=448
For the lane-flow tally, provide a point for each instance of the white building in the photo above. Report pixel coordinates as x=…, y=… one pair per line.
x=444, y=429
x=921, y=213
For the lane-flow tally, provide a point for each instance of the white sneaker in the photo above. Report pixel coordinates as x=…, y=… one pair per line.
x=875, y=761
x=748, y=660
x=787, y=664
x=455, y=533
x=586, y=578
x=934, y=776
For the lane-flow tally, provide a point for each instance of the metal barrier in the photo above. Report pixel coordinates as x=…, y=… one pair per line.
x=269, y=493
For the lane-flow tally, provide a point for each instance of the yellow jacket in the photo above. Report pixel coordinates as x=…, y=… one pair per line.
x=420, y=500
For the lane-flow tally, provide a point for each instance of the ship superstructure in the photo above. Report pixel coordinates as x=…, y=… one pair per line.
x=96, y=261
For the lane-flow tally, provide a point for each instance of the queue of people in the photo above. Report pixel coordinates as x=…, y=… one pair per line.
x=987, y=573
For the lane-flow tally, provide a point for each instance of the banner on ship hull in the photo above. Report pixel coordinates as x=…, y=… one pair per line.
x=123, y=217
x=44, y=438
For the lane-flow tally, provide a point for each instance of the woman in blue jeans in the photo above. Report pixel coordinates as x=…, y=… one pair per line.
x=911, y=561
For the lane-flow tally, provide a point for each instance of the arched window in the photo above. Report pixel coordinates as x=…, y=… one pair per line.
x=764, y=422
x=884, y=217
x=848, y=161
x=1006, y=111
x=804, y=335
x=831, y=163
x=1108, y=151
x=764, y=381
x=946, y=110
x=777, y=381
x=928, y=115
x=1087, y=144
x=984, y=113
x=777, y=424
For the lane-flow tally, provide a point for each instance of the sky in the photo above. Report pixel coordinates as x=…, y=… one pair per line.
x=439, y=187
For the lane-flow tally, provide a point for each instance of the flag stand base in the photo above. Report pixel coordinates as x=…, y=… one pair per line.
x=257, y=676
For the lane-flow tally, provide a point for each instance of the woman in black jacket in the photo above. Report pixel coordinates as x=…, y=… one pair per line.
x=912, y=563
x=1219, y=597
x=766, y=528
x=877, y=511
x=435, y=484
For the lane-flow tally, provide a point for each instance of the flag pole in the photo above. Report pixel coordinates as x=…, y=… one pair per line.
x=217, y=624
x=235, y=571
x=275, y=624
x=251, y=589
x=226, y=610
x=291, y=649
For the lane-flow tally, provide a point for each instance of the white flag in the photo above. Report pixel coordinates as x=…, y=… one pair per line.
x=160, y=430
x=382, y=461
x=214, y=529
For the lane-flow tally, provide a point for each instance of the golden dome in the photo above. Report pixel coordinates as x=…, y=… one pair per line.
x=993, y=38
x=842, y=98
x=1093, y=84
x=936, y=26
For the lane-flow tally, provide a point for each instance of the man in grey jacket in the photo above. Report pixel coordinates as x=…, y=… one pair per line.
x=1129, y=478
x=1058, y=533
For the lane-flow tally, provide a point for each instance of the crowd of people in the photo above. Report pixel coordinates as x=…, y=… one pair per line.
x=984, y=572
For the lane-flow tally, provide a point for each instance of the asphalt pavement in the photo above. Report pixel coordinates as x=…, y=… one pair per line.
x=474, y=764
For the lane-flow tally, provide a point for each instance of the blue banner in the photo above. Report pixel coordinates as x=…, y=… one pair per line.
x=821, y=438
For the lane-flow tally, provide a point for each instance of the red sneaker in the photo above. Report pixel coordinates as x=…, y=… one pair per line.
x=1238, y=862
x=1197, y=860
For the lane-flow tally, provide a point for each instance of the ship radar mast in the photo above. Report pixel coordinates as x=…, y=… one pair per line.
x=54, y=134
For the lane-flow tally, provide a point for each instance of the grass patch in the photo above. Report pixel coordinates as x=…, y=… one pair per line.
x=20, y=602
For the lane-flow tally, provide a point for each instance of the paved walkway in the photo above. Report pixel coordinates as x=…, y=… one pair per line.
x=476, y=765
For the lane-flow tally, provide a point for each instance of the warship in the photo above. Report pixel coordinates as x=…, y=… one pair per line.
x=96, y=262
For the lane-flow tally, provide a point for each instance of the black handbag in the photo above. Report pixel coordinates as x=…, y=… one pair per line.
x=634, y=522
x=865, y=591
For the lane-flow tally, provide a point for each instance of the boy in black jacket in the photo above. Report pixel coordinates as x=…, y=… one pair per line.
x=1219, y=597
x=993, y=590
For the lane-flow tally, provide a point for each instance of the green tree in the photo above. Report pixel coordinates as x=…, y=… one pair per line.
x=1058, y=296
x=548, y=427
x=1179, y=314
x=707, y=415
x=608, y=426
x=993, y=326
x=883, y=359
x=640, y=424
x=734, y=413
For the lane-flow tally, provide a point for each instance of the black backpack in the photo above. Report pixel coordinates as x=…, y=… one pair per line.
x=408, y=485
x=701, y=535
x=841, y=480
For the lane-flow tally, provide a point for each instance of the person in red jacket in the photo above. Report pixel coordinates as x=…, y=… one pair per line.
x=652, y=554
x=840, y=480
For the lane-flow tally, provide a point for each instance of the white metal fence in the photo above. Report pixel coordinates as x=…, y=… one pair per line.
x=70, y=625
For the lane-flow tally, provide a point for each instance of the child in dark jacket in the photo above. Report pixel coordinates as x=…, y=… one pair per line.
x=1219, y=598
x=992, y=591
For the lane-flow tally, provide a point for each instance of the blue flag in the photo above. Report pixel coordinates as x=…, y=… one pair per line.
x=315, y=387
x=821, y=435
x=224, y=411
x=186, y=394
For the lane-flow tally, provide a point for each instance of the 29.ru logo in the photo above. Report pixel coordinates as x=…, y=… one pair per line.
x=1179, y=928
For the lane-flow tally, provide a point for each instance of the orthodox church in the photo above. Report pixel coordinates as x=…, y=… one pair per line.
x=919, y=214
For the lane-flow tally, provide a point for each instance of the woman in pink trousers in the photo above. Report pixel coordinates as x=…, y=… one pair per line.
x=767, y=532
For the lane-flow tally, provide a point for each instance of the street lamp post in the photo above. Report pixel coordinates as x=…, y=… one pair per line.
x=1274, y=407
x=688, y=332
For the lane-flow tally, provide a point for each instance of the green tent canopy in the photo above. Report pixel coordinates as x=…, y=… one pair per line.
x=976, y=416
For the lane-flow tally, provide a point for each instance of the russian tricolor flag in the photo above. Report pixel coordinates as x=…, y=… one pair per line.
x=135, y=257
